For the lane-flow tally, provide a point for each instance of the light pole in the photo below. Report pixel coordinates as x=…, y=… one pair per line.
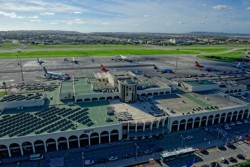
x=176, y=62
x=136, y=147
x=19, y=61
x=82, y=159
x=218, y=134
x=182, y=141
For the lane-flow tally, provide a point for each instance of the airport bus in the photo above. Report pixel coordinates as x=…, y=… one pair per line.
x=34, y=157
x=169, y=156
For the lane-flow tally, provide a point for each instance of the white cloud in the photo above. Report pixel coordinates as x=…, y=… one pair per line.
x=35, y=20
x=146, y=15
x=221, y=7
x=53, y=23
x=47, y=13
x=77, y=12
x=248, y=8
x=33, y=17
x=11, y=15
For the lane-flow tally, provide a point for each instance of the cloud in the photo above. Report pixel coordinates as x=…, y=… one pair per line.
x=248, y=8
x=53, y=23
x=47, y=13
x=221, y=7
x=77, y=12
x=35, y=20
x=33, y=17
x=146, y=15
x=12, y=15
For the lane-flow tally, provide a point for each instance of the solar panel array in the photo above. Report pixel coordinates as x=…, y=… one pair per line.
x=19, y=97
x=49, y=120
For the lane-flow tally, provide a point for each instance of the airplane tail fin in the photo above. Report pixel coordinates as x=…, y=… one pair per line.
x=197, y=64
x=45, y=70
x=102, y=66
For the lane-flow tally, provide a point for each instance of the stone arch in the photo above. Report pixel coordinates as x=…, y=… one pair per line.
x=161, y=93
x=27, y=148
x=203, y=121
x=104, y=137
x=210, y=120
x=39, y=146
x=94, y=99
x=4, y=151
x=149, y=94
x=175, y=125
x=102, y=98
x=84, y=140
x=109, y=98
x=216, y=118
x=182, y=124
x=155, y=94
x=223, y=118
x=114, y=135
x=73, y=141
x=94, y=138
x=62, y=143
x=143, y=94
x=116, y=97
x=79, y=100
x=197, y=122
x=235, y=113
x=51, y=145
x=87, y=99
x=240, y=115
x=15, y=150
x=190, y=123
x=245, y=116
x=229, y=115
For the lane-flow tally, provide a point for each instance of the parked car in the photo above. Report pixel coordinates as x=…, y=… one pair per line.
x=205, y=129
x=232, y=159
x=221, y=147
x=240, y=156
x=232, y=124
x=223, y=160
x=245, y=121
x=127, y=155
x=188, y=137
x=101, y=160
x=89, y=162
x=159, y=149
x=238, y=122
x=148, y=152
x=205, y=165
x=214, y=164
x=113, y=158
x=230, y=145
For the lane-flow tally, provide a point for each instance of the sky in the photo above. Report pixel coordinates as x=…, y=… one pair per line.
x=160, y=16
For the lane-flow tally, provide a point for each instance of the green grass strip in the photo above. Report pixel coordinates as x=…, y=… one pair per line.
x=195, y=100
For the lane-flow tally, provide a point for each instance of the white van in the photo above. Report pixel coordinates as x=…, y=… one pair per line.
x=34, y=157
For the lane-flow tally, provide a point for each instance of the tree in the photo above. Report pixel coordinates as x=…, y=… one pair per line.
x=4, y=84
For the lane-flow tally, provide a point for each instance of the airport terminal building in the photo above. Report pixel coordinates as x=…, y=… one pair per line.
x=108, y=108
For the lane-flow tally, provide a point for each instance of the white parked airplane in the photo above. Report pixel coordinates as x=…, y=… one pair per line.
x=55, y=75
x=40, y=61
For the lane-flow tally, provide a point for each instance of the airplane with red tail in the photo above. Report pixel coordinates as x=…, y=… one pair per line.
x=104, y=69
x=204, y=67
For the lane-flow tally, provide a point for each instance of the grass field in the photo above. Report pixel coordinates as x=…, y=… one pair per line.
x=215, y=52
x=79, y=53
x=231, y=56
